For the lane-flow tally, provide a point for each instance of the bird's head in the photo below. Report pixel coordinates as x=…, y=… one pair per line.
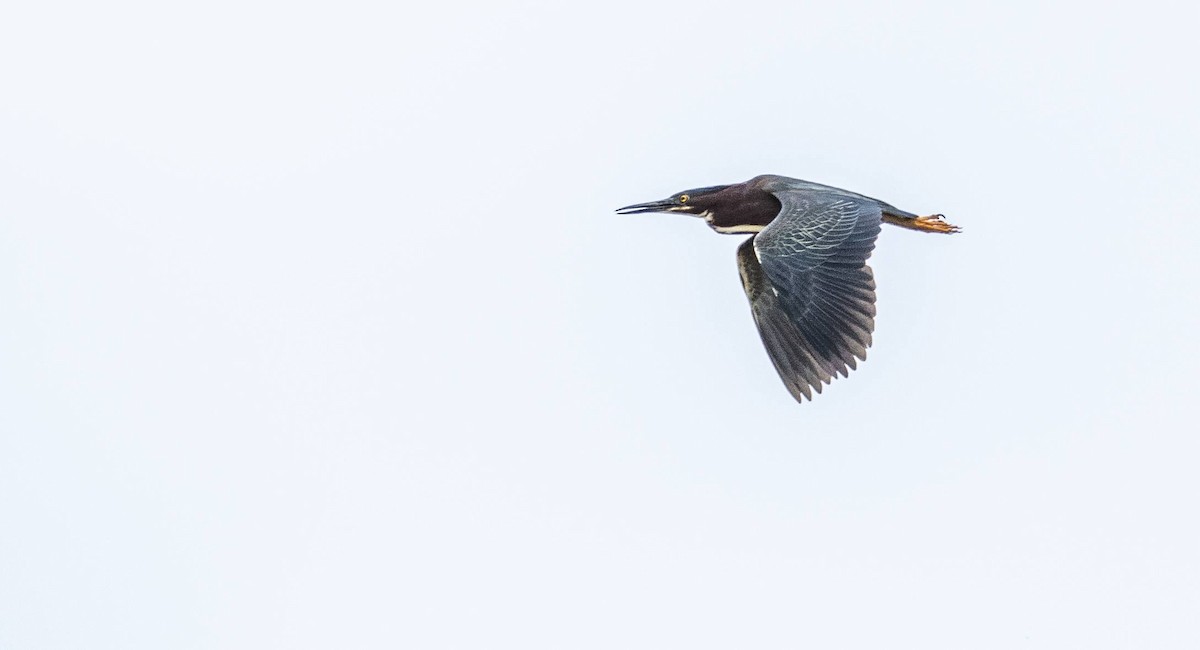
x=697, y=202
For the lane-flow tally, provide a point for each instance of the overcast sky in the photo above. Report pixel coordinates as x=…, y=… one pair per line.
x=317, y=329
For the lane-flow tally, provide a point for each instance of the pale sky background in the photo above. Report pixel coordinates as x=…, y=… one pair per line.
x=317, y=329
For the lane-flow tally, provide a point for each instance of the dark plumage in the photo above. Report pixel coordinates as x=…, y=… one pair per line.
x=805, y=269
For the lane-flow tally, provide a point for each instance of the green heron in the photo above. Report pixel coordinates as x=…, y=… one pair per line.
x=805, y=269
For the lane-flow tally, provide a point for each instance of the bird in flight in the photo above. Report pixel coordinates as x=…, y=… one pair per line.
x=805, y=268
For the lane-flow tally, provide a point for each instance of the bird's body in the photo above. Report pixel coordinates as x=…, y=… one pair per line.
x=805, y=269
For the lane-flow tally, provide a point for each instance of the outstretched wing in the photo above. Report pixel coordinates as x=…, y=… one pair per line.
x=785, y=343
x=810, y=289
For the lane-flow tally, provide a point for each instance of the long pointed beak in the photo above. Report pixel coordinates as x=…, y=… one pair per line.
x=653, y=206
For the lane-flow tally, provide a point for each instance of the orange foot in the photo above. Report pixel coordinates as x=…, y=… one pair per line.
x=935, y=223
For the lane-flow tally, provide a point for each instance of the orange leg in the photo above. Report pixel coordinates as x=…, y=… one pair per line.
x=932, y=223
x=935, y=223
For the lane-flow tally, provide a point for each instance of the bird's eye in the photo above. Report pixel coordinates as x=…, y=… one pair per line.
x=683, y=198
